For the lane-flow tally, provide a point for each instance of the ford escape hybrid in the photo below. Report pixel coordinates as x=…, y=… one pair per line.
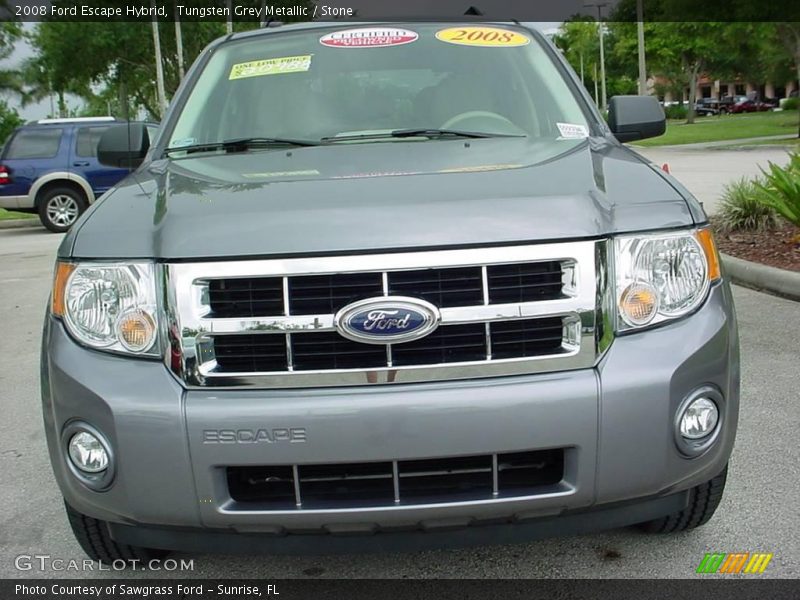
x=386, y=283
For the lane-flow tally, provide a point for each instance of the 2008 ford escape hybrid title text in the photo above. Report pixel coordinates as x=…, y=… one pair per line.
x=399, y=281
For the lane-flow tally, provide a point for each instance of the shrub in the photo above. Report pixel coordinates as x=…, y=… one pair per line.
x=676, y=111
x=790, y=104
x=781, y=189
x=743, y=209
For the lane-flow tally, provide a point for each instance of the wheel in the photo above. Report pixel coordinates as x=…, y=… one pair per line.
x=703, y=502
x=95, y=540
x=60, y=207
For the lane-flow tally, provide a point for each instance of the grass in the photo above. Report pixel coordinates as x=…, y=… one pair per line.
x=790, y=144
x=727, y=127
x=10, y=214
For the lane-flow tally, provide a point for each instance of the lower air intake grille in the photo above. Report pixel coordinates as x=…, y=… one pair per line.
x=391, y=483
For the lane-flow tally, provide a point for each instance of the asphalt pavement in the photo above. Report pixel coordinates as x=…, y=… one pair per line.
x=759, y=511
x=703, y=169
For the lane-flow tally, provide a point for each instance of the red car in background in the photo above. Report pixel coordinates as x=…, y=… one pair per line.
x=743, y=105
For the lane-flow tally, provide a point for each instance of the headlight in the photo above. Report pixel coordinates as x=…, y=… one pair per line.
x=109, y=306
x=662, y=276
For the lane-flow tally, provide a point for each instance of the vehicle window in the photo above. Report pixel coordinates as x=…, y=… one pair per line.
x=152, y=133
x=293, y=85
x=35, y=143
x=88, y=138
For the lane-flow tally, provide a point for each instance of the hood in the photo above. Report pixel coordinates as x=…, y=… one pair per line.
x=344, y=198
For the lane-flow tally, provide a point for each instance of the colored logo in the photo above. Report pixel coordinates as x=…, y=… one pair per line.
x=734, y=563
x=369, y=37
x=387, y=320
x=489, y=37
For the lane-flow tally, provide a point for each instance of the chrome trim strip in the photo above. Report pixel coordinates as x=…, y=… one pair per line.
x=376, y=263
x=459, y=315
x=385, y=286
x=560, y=490
x=298, y=500
x=488, y=326
x=396, y=482
x=582, y=309
x=495, y=477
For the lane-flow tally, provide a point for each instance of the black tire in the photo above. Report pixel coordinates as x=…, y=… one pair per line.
x=60, y=207
x=703, y=502
x=92, y=535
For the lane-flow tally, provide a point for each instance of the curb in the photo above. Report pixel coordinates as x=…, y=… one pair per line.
x=17, y=223
x=761, y=277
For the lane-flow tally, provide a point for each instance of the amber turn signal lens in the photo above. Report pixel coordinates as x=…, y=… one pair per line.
x=638, y=303
x=63, y=271
x=706, y=239
x=136, y=330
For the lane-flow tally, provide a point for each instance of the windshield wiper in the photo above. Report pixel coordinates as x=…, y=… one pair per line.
x=419, y=132
x=241, y=144
x=438, y=133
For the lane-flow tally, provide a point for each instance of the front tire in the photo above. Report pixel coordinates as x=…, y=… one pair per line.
x=703, y=502
x=92, y=534
x=60, y=207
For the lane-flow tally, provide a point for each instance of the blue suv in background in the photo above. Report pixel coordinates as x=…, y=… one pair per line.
x=50, y=167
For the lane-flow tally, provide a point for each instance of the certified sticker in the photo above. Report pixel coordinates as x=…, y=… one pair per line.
x=371, y=37
x=271, y=66
x=490, y=37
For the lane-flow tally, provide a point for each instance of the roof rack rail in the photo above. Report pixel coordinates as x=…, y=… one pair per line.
x=74, y=120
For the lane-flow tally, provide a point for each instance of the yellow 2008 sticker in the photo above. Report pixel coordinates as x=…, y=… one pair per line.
x=482, y=36
x=271, y=66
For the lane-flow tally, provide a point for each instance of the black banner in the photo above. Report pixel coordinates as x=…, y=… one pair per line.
x=264, y=11
x=712, y=589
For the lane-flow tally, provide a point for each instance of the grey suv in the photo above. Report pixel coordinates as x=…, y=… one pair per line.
x=387, y=283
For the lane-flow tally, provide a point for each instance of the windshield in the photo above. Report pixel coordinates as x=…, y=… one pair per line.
x=361, y=83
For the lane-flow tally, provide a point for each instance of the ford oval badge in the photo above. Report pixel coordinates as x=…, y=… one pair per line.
x=387, y=320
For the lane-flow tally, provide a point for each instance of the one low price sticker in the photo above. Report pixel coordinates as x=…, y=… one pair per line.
x=482, y=36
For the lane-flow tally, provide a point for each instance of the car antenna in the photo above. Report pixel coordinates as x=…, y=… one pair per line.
x=473, y=11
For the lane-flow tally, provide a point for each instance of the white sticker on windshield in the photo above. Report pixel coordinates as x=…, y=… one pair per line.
x=369, y=37
x=572, y=131
x=183, y=142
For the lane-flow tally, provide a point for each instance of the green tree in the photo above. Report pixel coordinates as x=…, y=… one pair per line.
x=578, y=40
x=9, y=120
x=115, y=58
x=789, y=36
x=10, y=33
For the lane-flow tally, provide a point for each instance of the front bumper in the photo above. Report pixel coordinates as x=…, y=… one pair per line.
x=615, y=421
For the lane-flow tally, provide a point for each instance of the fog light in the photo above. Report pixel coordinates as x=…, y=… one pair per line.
x=88, y=453
x=699, y=419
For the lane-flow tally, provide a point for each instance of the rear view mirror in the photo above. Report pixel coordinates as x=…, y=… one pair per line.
x=636, y=117
x=124, y=146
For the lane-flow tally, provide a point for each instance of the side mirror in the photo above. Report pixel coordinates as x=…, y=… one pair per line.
x=123, y=146
x=636, y=117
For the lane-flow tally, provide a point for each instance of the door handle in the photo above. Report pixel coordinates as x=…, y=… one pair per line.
x=81, y=164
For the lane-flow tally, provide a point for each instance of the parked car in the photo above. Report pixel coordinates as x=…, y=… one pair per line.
x=748, y=106
x=419, y=286
x=707, y=106
x=50, y=167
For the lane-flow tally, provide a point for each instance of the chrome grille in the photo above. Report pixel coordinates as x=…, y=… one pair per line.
x=503, y=311
x=320, y=294
x=328, y=350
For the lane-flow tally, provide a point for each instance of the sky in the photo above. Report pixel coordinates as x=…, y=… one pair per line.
x=41, y=110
